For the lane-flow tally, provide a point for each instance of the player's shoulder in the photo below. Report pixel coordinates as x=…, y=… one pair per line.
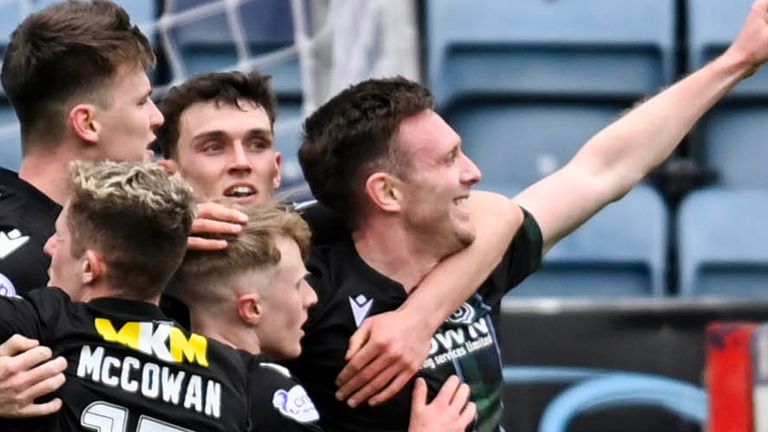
x=274, y=388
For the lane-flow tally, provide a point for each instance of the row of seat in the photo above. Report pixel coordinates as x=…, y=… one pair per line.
x=721, y=249
x=556, y=71
x=527, y=82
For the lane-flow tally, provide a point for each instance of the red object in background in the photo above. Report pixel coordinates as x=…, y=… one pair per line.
x=729, y=376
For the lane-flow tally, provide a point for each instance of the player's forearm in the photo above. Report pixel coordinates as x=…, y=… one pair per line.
x=457, y=277
x=627, y=150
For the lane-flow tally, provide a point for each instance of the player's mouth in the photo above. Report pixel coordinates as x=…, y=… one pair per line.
x=241, y=192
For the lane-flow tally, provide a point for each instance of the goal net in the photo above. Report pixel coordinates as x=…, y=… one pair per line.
x=312, y=49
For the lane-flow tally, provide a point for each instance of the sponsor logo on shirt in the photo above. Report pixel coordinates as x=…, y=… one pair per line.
x=6, y=287
x=467, y=333
x=161, y=340
x=10, y=241
x=360, y=308
x=295, y=404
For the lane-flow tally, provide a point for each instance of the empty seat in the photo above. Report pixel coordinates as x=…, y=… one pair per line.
x=518, y=144
x=621, y=251
x=206, y=39
x=722, y=237
x=527, y=82
x=592, y=47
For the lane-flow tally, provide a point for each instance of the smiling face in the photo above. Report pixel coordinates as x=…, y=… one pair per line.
x=228, y=151
x=437, y=182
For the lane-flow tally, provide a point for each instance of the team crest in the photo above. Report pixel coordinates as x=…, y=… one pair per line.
x=6, y=287
x=295, y=404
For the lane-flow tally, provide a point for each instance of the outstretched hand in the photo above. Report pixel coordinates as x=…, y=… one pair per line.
x=752, y=42
x=450, y=411
x=27, y=373
x=384, y=354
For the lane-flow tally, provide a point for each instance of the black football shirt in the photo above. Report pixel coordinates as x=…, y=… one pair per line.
x=129, y=367
x=466, y=344
x=27, y=220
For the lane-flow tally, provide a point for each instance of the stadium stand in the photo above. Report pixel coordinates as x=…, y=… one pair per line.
x=721, y=243
x=553, y=72
x=619, y=252
x=209, y=40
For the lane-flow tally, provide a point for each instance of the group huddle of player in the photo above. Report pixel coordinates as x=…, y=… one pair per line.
x=178, y=295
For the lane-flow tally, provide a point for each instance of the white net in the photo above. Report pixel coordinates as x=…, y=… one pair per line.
x=312, y=49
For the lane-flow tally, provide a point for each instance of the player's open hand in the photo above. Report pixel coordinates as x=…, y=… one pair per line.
x=384, y=354
x=450, y=411
x=27, y=373
x=214, y=218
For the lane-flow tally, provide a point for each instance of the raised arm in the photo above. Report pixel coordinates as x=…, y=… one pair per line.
x=619, y=156
x=389, y=348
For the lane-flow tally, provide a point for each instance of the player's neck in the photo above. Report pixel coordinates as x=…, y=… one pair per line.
x=47, y=170
x=395, y=252
x=216, y=328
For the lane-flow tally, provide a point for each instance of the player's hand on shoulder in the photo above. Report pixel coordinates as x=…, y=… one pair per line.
x=384, y=354
x=450, y=411
x=214, y=218
x=27, y=372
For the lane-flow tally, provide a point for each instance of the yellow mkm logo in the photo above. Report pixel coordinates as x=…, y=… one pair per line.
x=164, y=341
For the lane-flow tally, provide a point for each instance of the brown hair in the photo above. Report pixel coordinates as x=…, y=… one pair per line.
x=231, y=88
x=70, y=49
x=137, y=216
x=350, y=137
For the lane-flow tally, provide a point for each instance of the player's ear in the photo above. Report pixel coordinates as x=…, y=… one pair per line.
x=250, y=308
x=278, y=170
x=93, y=267
x=384, y=190
x=82, y=120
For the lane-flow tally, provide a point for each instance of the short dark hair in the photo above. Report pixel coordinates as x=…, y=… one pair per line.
x=350, y=137
x=137, y=216
x=68, y=49
x=231, y=88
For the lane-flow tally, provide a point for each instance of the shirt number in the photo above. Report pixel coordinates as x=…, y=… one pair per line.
x=107, y=417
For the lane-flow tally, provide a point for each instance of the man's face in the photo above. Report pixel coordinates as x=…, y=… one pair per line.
x=228, y=151
x=130, y=117
x=65, y=271
x=284, y=304
x=437, y=181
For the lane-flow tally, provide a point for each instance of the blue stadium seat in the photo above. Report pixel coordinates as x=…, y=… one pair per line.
x=722, y=237
x=518, y=144
x=527, y=82
x=206, y=43
x=592, y=47
x=621, y=251
x=731, y=139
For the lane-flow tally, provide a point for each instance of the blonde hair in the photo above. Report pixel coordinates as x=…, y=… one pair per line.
x=253, y=248
x=137, y=215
